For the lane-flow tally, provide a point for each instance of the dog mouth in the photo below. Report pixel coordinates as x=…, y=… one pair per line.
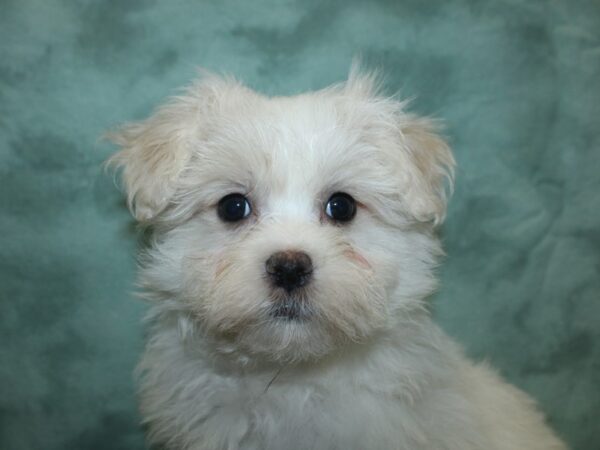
x=290, y=309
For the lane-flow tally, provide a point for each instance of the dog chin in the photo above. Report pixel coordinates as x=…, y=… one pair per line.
x=284, y=339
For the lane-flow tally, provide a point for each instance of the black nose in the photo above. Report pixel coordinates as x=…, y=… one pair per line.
x=290, y=269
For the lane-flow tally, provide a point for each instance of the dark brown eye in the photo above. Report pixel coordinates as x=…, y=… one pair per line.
x=341, y=207
x=233, y=208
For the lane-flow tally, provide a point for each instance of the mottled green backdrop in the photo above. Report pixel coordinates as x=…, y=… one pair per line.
x=518, y=83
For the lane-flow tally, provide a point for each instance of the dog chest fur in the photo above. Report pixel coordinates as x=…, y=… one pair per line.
x=409, y=390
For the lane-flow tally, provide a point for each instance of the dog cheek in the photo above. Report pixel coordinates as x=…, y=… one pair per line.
x=350, y=299
x=233, y=299
x=356, y=257
x=221, y=265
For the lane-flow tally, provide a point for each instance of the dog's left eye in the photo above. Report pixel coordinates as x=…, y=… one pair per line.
x=341, y=207
x=233, y=207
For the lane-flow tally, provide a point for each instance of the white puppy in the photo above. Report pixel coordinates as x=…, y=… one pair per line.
x=293, y=250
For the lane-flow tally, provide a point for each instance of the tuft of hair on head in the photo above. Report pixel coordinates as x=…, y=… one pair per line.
x=362, y=82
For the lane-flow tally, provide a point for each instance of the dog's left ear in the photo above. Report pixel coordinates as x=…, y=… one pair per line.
x=424, y=160
x=431, y=174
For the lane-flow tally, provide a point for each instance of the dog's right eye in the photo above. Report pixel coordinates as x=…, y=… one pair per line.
x=233, y=208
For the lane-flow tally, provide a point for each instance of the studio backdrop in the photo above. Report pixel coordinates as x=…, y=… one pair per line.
x=517, y=83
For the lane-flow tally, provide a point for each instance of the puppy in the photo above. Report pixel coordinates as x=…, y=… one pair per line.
x=292, y=253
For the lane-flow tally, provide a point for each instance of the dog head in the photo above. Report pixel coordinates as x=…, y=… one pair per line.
x=285, y=227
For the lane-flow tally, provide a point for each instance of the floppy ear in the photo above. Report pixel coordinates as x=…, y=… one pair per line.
x=430, y=180
x=424, y=159
x=153, y=154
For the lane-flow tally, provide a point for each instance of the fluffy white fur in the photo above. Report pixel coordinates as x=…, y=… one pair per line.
x=367, y=369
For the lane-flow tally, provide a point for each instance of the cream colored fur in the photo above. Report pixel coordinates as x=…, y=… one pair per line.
x=368, y=369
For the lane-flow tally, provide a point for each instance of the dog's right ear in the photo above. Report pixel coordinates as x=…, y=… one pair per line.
x=153, y=154
x=155, y=151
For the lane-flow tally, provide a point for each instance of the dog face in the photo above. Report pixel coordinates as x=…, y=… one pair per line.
x=286, y=227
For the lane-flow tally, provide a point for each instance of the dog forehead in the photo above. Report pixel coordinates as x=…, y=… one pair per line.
x=290, y=151
x=298, y=140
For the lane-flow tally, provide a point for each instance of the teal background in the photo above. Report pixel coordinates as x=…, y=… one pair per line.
x=518, y=83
